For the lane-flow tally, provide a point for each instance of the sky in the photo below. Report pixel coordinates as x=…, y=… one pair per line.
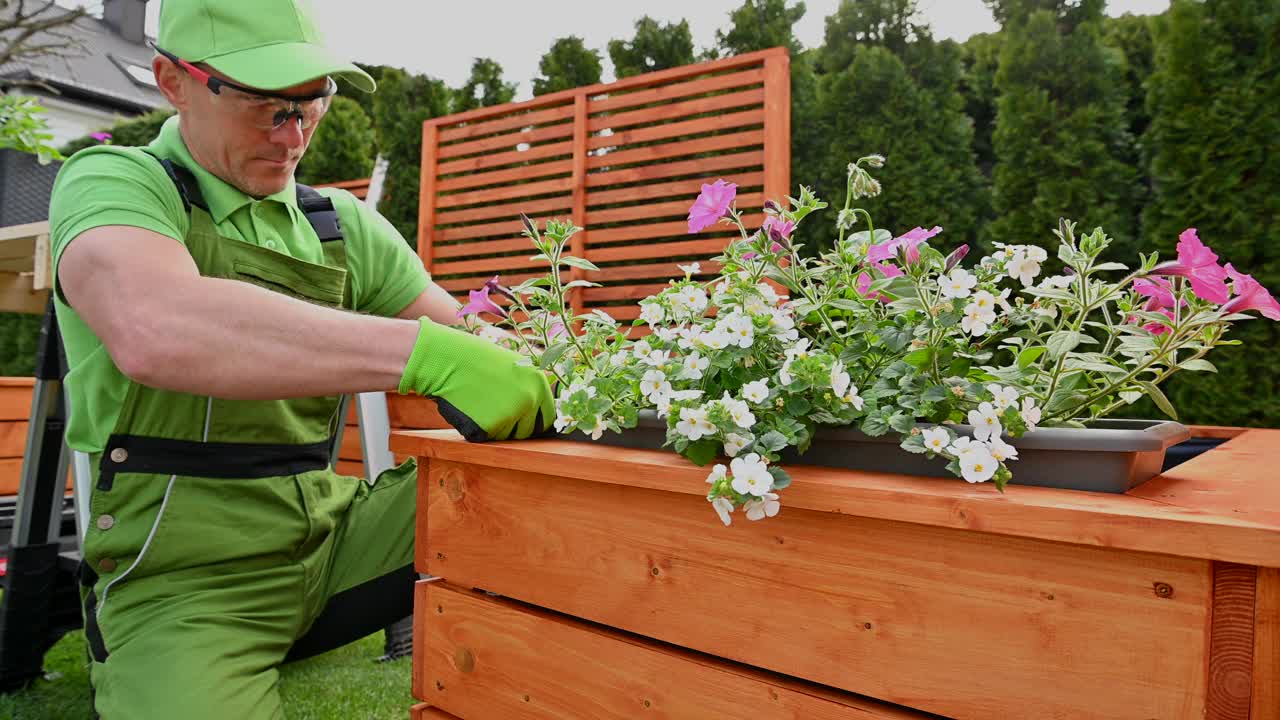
x=441, y=39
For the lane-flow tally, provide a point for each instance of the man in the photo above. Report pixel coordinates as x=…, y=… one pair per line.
x=212, y=319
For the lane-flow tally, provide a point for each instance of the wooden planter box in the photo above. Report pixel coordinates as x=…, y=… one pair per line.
x=869, y=596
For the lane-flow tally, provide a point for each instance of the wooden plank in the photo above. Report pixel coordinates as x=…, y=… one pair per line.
x=730, y=141
x=427, y=196
x=1215, y=431
x=15, y=399
x=714, y=103
x=622, y=292
x=957, y=623
x=644, y=272
x=505, y=122
x=663, y=209
x=777, y=128
x=715, y=123
x=1266, y=647
x=524, y=172
x=10, y=476
x=424, y=711
x=481, y=162
x=504, y=210
x=701, y=166
x=507, y=262
x=506, y=141
x=13, y=238
x=412, y=411
x=636, y=81
x=1121, y=521
x=42, y=264
x=506, y=192
x=1230, y=659
x=578, y=242
x=655, y=231
x=17, y=295
x=673, y=91
x=350, y=448
x=13, y=438
x=350, y=467
x=491, y=658
x=678, y=188
x=467, y=232
x=708, y=248
x=620, y=312
x=483, y=247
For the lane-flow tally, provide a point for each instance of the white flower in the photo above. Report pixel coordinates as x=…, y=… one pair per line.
x=597, y=428
x=962, y=446
x=757, y=391
x=1001, y=450
x=799, y=351
x=690, y=300
x=686, y=395
x=985, y=302
x=766, y=506
x=656, y=358
x=563, y=421
x=652, y=313
x=717, y=339
x=734, y=443
x=694, y=424
x=689, y=336
x=1060, y=282
x=750, y=475
x=1030, y=413
x=1003, y=300
x=782, y=325
x=654, y=384
x=975, y=321
x=693, y=269
x=853, y=398
x=493, y=334
x=767, y=292
x=1023, y=267
x=958, y=284
x=1005, y=396
x=723, y=507
x=694, y=365
x=936, y=439
x=717, y=474
x=839, y=379
x=665, y=334
x=1036, y=253
x=739, y=411
x=755, y=306
x=663, y=404
x=985, y=421
x=618, y=359
x=978, y=466
x=739, y=329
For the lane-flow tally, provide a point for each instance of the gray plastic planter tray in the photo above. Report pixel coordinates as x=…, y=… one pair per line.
x=1112, y=455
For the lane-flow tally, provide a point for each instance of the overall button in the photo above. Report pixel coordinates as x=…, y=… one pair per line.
x=105, y=522
x=271, y=244
x=107, y=565
x=119, y=455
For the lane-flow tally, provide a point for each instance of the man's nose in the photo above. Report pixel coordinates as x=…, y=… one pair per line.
x=289, y=134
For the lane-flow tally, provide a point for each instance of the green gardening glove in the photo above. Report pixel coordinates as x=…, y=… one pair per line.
x=478, y=386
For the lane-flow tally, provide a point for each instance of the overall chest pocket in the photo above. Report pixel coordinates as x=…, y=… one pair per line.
x=307, y=281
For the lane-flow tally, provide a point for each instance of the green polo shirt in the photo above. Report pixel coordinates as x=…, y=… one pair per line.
x=110, y=185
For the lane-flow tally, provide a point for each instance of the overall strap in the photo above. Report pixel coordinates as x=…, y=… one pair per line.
x=320, y=213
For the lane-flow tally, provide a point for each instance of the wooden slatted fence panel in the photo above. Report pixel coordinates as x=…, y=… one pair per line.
x=622, y=160
x=358, y=187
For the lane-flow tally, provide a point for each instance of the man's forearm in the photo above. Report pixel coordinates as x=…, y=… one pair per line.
x=231, y=339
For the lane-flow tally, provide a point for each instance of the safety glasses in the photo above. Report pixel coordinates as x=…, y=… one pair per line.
x=258, y=108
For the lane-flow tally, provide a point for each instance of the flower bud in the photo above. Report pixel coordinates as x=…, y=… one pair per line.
x=846, y=219
x=528, y=224
x=955, y=257
x=874, y=161
x=772, y=207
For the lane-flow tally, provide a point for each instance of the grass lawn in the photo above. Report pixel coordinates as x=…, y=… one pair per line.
x=344, y=683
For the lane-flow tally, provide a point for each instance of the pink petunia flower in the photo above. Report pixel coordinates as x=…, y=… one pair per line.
x=478, y=302
x=1250, y=295
x=910, y=241
x=1157, y=290
x=863, y=283
x=712, y=204
x=1199, y=264
x=100, y=136
x=1157, y=328
x=492, y=285
x=778, y=230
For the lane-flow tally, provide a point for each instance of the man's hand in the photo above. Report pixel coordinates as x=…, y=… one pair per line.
x=479, y=387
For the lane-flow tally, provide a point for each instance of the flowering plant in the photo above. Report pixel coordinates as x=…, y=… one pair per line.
x=885, y=333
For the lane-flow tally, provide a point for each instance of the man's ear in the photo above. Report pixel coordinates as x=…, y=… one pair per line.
x=171, y=81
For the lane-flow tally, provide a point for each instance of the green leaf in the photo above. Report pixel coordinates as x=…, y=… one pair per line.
x=772, y=441
x=577, y=262
x=936, y=393
x=580, y=283
x=914, y=444
x=552, y=354
x=918, y=358
x=1160, y=400
x=894, y=339
x=1110, y=266
x=781, y=480
x=1131, y=396
x=797, y=406
x=902, y=422
x=1198, y=365
x=1029, y=356
x=702, y=451
x=845, y=304
x=1062, y=342
x=906, y=305
x=875, y=426
x=540, y=256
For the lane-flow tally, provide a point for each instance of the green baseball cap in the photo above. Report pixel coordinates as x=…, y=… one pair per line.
x=266, y=44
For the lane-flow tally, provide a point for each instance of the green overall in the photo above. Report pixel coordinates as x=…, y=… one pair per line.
x=218, y=535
